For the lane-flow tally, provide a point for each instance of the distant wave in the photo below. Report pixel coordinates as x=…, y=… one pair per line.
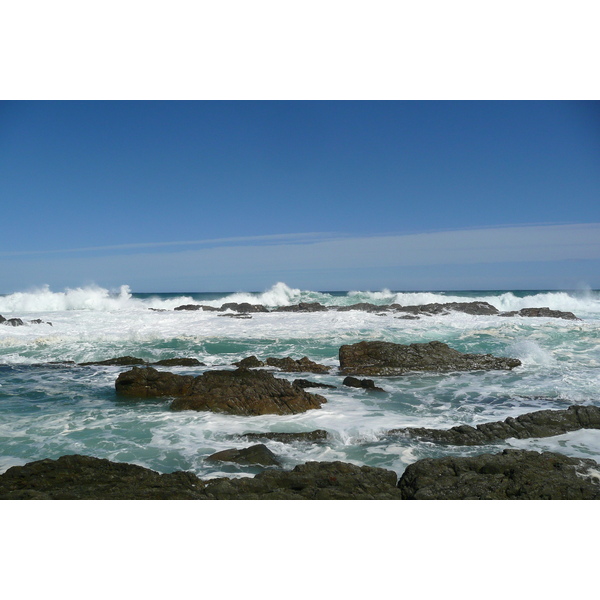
x=95, y=298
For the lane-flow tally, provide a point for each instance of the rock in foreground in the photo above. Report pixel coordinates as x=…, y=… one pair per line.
x=538, y=424
x=240, y=392
x=387, y=358
x=258, y=454
x=511, y=475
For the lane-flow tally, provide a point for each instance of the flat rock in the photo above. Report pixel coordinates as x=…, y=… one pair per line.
x=303, y=307
x=196, y=307
x=541, y=312
x=121, y=361
x=436, y=308
x=240, y=392
x=305, y=383
x=510, y=475
x=179, y=362
x=258, y=454
x=367, y=384
x=387, y=358
x=244, y=307
x=538, y=424
x=318, y=435
x=287, y=364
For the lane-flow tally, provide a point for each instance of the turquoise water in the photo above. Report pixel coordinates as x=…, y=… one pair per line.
x=47, y=410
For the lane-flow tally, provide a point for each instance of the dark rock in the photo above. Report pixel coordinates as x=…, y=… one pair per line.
x=158, y=309
x=2, y=319
x=539, y=424
x=86, y=478
x=304, y=383
x=244, y=307
x=196, y=307
x=12, y=322
x=250, y=362
x=408, y=317
x=236, y=316
x=365, y=306
x=310, y=481
x=367, y=384
x=303, y=307
x=470, y=308
x=240, y=392
x=78, y=477
x=302, y=365
x=179, y=362
x=541, y=312
x=387, y=358
x=253, y=455
x=318, y=435
x=511, y=475
x=121, y=361
x=40, y=322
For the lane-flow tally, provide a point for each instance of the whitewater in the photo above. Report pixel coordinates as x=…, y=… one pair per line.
x=51, y=406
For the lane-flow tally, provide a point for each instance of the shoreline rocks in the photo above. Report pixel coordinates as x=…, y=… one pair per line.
x=239, y=392
x=258, y=454
x=387, y=358
x=367, y=384
x=318, y=435
x=130, y=361
x=287, y=364
x=538, y=424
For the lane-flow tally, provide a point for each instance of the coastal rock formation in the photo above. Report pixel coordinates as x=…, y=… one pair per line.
x=305, y=383
x=253, y=455
x=236, y=315
x=77, y=477
x=539, y=424
x=244, y=307
x=287, y=364
x=511, y=475
x=85, y=478
x=387, y=358
x=367, y=384
x=318, y=435
x=130, y=361
x=303, y=307
x=179, y=362
x=365, y=306
x=196, y=307
x=470, y=308
x=541, y=312
x=240, y=392
x=14, y=322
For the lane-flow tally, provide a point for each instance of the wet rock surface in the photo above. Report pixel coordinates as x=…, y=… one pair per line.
x=240, y=392
x=303, y=307
x=196, y=307
x=541, y=312
x=253, y=455
x=318, y=435
x=130, y=361
x=538, y=424
x=510, y=475
x=470, y=308
x=305, y=383
x=244, y=307
x=287, y=364
x=14, y=322
x=387, y=358
x=367, y=384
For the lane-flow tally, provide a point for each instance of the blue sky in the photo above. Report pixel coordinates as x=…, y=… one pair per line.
x=226, y=196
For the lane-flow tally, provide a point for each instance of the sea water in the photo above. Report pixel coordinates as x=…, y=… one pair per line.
x=50, y=407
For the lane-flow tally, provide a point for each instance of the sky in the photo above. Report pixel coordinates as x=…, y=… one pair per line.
x=192, y=196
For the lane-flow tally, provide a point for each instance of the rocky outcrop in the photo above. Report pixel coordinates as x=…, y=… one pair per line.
x=470, y=308
x=130, y=361
x=511, y=475
x=85, y=478
x=196, y=307
x=387, y=358
x=236, y=315
x=304, y=383
x=244, y=307
x=40, y=322
x=253, y=455
x=539, y=424
x=365, y=306
x=367, y=384
x=541, y=312
x=240, y=392
x=287, y=365
x=318, y=435
x=303, y=307
x=14, y=322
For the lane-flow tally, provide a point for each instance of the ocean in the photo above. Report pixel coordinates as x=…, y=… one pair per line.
x=50, y=407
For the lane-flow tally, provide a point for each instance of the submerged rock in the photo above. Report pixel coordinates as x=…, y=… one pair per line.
x=236, y=316
x=179, y=362
x=304, y=383
x=196, y=307
x=14, y=322
x=367, y=384
x=387, y=358
x=541, y=312
x=253, y=455
x=318, y=435
x=539, y=424
x=240, y=392
x=511, y=475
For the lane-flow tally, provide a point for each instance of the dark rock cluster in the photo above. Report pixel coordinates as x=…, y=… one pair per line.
x=287, y=364
x=16, y=322
x=130, y=361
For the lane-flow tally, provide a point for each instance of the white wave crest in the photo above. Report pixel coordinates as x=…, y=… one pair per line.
x=278, y=295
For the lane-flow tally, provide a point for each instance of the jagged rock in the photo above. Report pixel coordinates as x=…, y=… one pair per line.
x=310, y=481
x=179, y=362
x=287, y=364
x=511, y=475
x=2, y=319
x=318, y=435
x=121, y=361
x=240, y=392
x=303, y=307
x=470, y=308
x=253, y=455
x=77, y=477
x=40, y=322
x=83, y=477
x=541, y=312
x=539, y=424
x=387, y=358
x=12, y=322
x=304, y=383
x=244, y=307
x=366, y=306
x=367, y=384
